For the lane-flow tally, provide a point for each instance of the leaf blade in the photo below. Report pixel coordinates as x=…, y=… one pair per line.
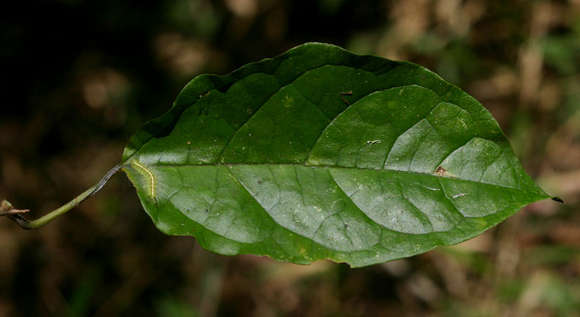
x=320, y=153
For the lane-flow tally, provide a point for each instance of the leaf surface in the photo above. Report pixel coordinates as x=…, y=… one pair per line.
x=323, y=154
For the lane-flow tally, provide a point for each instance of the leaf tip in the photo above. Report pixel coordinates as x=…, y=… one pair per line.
x=558, y=199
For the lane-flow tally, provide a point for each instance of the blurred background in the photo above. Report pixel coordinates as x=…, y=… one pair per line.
x=80, y=77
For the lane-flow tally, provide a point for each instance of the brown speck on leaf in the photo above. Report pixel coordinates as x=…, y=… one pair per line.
x=188, y=142
x=440, y=171
x=345, y=93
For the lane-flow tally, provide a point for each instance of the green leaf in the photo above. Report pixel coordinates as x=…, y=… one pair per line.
x=323, y=154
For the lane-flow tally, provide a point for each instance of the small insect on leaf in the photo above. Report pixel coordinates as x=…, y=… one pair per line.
x=440, y=171
x=271, y=160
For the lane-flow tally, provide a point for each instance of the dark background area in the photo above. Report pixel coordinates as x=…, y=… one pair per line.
x=80, y=77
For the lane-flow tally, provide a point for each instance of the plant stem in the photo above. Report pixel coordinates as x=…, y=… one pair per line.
x=16, y=216
x=37, y=223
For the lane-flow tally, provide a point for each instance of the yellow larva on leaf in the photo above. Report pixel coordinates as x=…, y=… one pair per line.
x=147, y=173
